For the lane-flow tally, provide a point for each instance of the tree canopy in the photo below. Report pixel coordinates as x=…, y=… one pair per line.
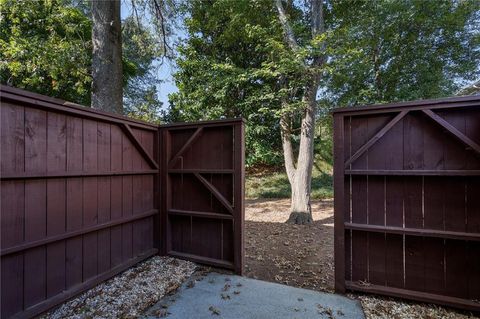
x=45, y=47
x=223, y=72
x=386, y=51
x=235, y=61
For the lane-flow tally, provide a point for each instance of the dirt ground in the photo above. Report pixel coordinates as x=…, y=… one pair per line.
x=302, y=256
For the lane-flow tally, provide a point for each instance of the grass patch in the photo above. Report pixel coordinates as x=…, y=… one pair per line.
x=276, y=185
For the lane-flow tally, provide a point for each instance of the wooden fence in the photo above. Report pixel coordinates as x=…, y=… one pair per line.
x=80, y=198
x=202, y=165
x=407, y=200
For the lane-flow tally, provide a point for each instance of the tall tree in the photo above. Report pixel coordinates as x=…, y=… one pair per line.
x=265, y=59
x=238, y=61
x=140, y=57
x=221, y=71
x=107, y=69
x=46, y=47
x=300, y=172
x=386, y=51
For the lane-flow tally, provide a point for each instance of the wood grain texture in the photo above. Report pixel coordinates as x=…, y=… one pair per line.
x=206, y=165
x=66, y=183
x=415, y=223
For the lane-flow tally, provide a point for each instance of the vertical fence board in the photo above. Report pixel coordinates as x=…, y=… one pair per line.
x=55, y=226
x=434, y=218
x=473, y=251
x=473, y=226
x=74, y=249
x=376, y=241
x=90, y=198
x=12, y=138
x=127, y=195
x=377, y=159
x=137, y=203
x=127, y=192
x=104, y=244
x=116, y=191
x=116, y=242
x=56, y=202
x=12, y=284
x=12, y=209
x=35, y=226
x=413, y=188
x=35, y=162
x=456, y=268
x=394, y=243
x=57, y=142
x=347, y=233
x=103, y=186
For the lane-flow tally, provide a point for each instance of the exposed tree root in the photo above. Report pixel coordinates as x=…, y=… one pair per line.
x=299, y=218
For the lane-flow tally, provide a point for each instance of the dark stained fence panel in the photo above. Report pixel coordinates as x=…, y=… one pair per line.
x=407, y=206
x=203, y=172
x=77, y=199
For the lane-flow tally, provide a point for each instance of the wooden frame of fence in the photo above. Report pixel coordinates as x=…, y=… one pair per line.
x=407, y=207
x=82, y=198
x=233, y=206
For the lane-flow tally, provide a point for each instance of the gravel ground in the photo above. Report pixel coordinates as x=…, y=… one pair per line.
x=302, y=256
x=128, y=294
x=382, y=308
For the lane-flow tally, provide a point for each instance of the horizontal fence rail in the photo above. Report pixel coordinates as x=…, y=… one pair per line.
x=407, y=200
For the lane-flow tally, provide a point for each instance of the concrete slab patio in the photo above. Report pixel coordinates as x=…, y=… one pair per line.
x=234, y=297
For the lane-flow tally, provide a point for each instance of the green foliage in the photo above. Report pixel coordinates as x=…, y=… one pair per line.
x=323, y=143
x=45, y=47
x=235, y=61
x=222, y=71
x=276, y=185
x=140, y=50
x=385, y=51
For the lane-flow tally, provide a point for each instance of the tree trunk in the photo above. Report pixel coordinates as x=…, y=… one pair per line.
x=107, y=74
x=300, y=210
x=300, y=177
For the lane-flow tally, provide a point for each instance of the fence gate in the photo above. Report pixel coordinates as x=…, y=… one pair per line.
x=202, y=192
x=407, y=200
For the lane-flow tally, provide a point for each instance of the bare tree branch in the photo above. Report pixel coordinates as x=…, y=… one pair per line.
x=160, y=17
x=289, y=35
x=471, y=89
x=134, y=7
